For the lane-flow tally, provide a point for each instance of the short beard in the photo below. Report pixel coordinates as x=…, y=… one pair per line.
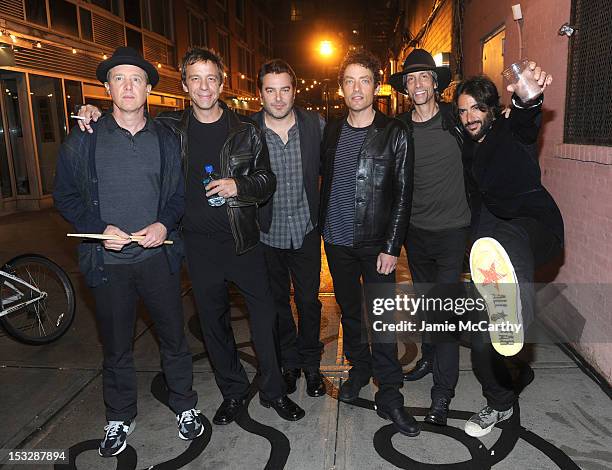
x=484, y=127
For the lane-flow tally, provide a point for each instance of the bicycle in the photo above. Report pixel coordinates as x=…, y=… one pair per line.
x=37, y=300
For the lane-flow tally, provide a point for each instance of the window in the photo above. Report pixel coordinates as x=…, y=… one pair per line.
x=296, y=10
x=36, y=11
x=240, y=7
x=64, y=17
x=222, y=16
x=197, y=31
x=133, y=39
x=245, y=67
x=264, y=36
x=18, y=174
x=224, y=51
x=493, y=57
x=74, y=98
x=224, y=48
x=100, y=103
x=240, y=19
x=132, y=12
x=171, y=55
x=49, y=123
x=86, y=29
x=157, y=17
x=159, y=103
x=588, y=106
x=113, y=6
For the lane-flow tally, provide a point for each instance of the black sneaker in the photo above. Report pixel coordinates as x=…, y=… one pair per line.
x=189, y=424
x=115, y=440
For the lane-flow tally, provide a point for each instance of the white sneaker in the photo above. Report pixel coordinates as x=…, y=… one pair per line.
x=115, y=440
x=482, y=422
x=189, y=424
x=495, y=278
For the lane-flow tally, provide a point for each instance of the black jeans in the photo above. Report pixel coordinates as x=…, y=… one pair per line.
x=116, y=302
x=492, y=372
x=348, y=266
x=529, y=244
x=212, y=264
x=302, y=267
x=437, y=257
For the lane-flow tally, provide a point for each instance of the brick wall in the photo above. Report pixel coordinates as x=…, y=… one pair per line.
x=578, y=176
x=438, y=38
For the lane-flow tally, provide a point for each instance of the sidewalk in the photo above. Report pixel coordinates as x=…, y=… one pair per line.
x=51, y=398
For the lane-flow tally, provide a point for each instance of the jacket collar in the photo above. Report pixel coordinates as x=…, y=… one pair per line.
x=380, y=120
x=234, y=121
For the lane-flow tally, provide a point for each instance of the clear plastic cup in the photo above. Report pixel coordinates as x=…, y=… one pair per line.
x=518, y=74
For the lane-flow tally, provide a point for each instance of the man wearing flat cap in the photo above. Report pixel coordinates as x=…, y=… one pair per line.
x=440, y=217
x=125, y=180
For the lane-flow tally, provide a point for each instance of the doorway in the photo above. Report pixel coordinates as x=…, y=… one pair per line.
x=493, y=58
x=14, y=139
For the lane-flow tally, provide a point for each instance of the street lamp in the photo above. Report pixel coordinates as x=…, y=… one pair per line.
x=326, y=49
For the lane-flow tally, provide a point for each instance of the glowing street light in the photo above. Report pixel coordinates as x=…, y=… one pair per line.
x=325, y=48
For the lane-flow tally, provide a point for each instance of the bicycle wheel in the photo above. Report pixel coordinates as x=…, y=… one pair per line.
x=44, y=320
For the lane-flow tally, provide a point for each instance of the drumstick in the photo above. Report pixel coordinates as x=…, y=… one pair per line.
x=102, y=236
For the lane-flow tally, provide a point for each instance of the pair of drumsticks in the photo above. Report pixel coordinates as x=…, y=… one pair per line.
x=102, y=236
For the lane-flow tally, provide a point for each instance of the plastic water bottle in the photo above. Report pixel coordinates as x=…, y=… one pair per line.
x=209, y=175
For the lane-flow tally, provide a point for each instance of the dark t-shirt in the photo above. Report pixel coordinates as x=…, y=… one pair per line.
x=205, y=141
x=128, y=168
x=439, y=200
x=339, y=227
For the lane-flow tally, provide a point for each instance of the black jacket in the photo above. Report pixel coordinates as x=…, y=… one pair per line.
x=309, y=124
x=76, y=196
x=384, y=177
x=504, y=174
x=244, y=157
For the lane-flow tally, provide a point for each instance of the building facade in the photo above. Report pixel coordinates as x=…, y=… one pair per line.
x=49, y=51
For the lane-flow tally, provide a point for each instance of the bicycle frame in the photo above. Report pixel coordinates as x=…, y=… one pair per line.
x=18, y=295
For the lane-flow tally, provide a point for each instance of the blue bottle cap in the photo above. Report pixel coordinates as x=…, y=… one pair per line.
x=209, y=168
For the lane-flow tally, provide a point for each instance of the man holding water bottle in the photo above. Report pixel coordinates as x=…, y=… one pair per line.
x=516, y=224
x=222, y=242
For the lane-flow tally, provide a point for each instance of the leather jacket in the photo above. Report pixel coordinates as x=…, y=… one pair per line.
x=244, y=157
x=384, y=182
